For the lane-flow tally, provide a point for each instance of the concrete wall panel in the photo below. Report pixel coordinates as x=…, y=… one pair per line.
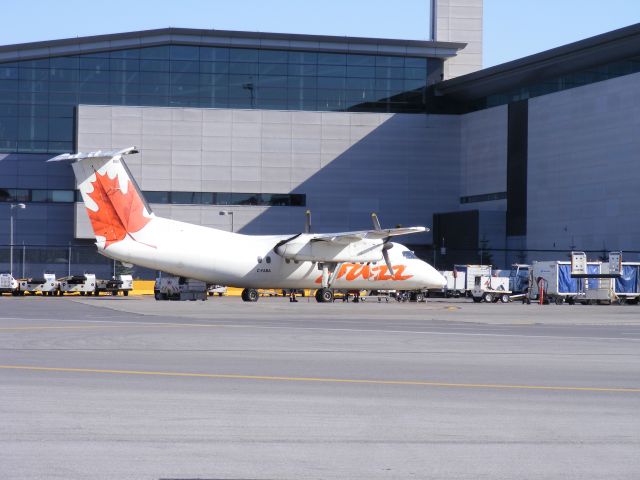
x=347, y=164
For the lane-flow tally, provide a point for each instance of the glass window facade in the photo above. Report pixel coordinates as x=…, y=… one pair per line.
x=487, y=197
x=545, y=86
x=184, y=198
x=36, y=195
x=38, y=97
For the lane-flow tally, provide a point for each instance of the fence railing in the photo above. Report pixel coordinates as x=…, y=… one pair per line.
x=34, y=260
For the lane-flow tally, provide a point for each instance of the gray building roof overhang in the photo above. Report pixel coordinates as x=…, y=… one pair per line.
x=591, y=52
x=226, y=38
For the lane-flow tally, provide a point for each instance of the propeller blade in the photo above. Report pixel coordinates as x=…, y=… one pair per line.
x=376, y=222
x=385, y=254
x=307, y=222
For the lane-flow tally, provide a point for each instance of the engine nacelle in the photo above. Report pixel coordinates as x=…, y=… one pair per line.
x=321, y=251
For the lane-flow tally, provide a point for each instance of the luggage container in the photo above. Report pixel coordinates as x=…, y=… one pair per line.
x=47, y=285
x=82, y=284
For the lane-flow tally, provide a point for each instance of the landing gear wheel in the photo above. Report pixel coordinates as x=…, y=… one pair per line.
x=250, y=295
x=324, y=295
x=487, y=297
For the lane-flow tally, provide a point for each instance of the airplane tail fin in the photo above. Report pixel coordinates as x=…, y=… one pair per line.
x=112, y=198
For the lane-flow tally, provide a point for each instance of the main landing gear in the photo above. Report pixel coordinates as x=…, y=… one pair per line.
x=250, y=295
x=324, y=295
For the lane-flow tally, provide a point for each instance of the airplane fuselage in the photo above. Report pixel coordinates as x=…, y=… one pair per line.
x=225, y=258
x=127, y=230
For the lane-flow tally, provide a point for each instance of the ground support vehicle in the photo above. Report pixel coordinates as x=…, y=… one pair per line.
x=8, y=284
x=179, y=288
x=113, y=286
x=469, y=274
x=47, y=285
x=82, y=284
x=267, y=292
x=219, y=290
x=378, y=295
x=491, y=289
x=460, y=280
x=456, y=283
x=552, y=282
x=519, y=278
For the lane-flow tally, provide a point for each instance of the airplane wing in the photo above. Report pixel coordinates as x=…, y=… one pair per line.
x=349, y=237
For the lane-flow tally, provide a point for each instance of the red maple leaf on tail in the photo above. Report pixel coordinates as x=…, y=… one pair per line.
x=118, y=213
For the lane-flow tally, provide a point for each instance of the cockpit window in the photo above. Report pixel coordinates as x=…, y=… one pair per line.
x=409, y=254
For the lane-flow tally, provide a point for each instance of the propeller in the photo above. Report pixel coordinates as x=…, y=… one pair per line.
x=385, y=253
x=307, y=222
x=386, y=245
x=376, y=222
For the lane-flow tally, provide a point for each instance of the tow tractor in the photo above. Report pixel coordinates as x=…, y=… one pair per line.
x=46, y=285
x=115, y=285
x=8, y=284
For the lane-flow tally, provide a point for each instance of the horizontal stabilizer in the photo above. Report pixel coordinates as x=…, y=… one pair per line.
x=94, y=155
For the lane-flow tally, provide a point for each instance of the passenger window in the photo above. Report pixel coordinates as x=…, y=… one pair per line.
x=259, y=259
x=268, y=259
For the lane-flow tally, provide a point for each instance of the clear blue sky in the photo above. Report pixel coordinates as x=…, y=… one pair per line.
x=512, y=28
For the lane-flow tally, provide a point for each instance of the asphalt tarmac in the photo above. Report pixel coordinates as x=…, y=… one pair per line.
x=128, y=387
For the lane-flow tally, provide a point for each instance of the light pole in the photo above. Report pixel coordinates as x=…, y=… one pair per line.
x=250, y=86
x=11, y=207
x=230, y=213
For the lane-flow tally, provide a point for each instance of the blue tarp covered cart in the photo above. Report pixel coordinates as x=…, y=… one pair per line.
x=628, y=284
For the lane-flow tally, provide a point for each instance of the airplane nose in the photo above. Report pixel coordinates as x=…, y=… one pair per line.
x=439, y=279
x=434, y=279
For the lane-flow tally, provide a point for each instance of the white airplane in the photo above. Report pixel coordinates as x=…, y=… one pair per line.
x=127, y=230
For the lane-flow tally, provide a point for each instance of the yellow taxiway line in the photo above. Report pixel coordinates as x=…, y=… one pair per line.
x=83, y=327
x=325, y=380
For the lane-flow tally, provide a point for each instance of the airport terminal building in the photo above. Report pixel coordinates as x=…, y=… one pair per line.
x=246, y=131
